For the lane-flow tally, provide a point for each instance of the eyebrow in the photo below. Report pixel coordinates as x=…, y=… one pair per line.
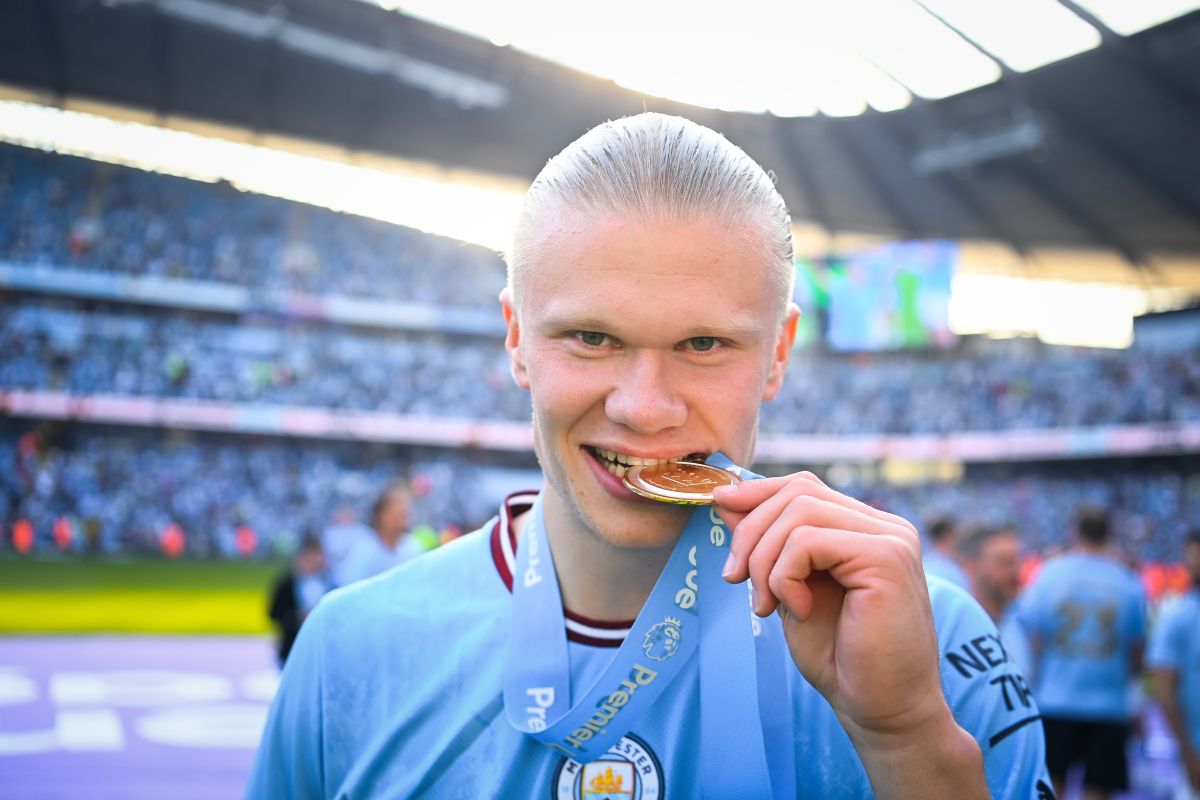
x=568, y=322
x=725, y=331
x=734, y=330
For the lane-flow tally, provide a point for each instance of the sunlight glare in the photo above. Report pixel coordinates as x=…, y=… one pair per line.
x=1058, y=312
x=456, y=209
x=1024, y=34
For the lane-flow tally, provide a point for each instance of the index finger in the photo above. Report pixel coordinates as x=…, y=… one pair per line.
x=746, y=496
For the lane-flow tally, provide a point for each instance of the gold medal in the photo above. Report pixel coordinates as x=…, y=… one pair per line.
x=682, y=482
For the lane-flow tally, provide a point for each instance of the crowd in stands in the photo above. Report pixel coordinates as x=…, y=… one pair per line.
x=59, y=211
x=71, y=212
x=121, y=490
x=128, y=486
x=1152, y=509
x=999, y=387
x=61, y=346
x=52, y=346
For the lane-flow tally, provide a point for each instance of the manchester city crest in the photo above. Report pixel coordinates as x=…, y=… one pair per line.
x=662, y=640
x=628, y=771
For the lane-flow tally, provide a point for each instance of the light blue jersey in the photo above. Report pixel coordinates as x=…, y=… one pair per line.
x=369, y=557
x=942, y=566
x=394, y=690
x=1175, y=645
x=1085, y=613
x=1016, y=642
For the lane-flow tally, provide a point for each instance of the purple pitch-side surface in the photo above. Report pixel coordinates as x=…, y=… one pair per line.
x=131, y=718
x=178, y=718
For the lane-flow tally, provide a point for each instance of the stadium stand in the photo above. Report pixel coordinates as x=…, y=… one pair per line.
x=62, y=345
x=251, y=353
x=121, y=489
x=58, y=345
x=71, y=212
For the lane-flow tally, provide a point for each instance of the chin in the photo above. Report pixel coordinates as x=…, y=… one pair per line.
x=644, y=537
x=641, y=525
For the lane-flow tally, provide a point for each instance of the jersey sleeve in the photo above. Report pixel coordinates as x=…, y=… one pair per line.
x=1166, y=639
x=289, y=764
x=355, y=565
x=1139, y=611
x=989, y=696
x=1029, y=610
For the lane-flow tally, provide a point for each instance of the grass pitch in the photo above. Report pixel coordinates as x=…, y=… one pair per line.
x=75, y=595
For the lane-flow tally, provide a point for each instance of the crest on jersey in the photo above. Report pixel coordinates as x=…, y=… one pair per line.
x=662, y=640
x=628, y=771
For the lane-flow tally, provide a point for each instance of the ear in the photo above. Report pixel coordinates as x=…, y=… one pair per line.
x=782, y=352
x=512, y=339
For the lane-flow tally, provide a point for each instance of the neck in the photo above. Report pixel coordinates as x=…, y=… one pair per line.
x=994, y=608
x=389, y=538
x=596, y=578
x=1094, y=548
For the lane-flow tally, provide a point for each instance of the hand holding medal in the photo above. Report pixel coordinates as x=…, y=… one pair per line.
x=847, y=581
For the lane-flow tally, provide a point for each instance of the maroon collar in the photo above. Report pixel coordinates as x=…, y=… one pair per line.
x=581, y=629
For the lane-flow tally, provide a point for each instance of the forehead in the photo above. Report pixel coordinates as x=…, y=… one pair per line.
x=394, y=500
x=647, y=270
x=1002, y=542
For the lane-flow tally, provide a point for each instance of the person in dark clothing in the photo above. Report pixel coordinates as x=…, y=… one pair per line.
x=296, y=593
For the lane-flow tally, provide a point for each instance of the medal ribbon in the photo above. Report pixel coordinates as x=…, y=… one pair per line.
x=691, y=607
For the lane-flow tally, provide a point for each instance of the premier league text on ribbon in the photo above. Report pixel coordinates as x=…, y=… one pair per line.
x=574, y=745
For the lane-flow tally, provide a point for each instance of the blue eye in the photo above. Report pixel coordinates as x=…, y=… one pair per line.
x=702, y=344
x=591, y=338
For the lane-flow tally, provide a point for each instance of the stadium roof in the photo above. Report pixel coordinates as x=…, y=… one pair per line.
x=836, y=57
x=1097, y=149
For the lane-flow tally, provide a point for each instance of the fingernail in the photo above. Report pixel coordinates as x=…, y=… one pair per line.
x=730, y=563
x=721, y=491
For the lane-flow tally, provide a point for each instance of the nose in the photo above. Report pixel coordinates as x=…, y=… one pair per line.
x=644, y=398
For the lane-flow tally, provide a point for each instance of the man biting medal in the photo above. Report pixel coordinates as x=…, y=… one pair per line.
x=657, y=618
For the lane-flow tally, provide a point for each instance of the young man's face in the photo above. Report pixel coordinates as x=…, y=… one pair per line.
x=641, y=341
x=393, y=517
x=310, y=561
x=996, y=573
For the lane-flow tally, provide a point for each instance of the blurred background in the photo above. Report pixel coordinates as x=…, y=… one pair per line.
x=249, y=259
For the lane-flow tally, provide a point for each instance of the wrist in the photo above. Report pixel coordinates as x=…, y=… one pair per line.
x=928, y=715
x=936, y=758
x=904, y=737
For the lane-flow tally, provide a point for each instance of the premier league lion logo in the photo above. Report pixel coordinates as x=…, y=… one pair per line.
x=662, y=640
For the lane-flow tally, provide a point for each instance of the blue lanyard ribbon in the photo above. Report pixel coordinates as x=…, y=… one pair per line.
x=691, y=607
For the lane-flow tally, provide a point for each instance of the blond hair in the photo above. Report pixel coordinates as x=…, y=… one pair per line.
x=663, y=169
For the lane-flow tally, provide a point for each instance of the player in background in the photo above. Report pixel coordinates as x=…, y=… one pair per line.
x=1086, y=616
x=297, y=592
x=1174, y=660
x=391, y=543
x=940, y=554
x=343, y=533
x=991, y=558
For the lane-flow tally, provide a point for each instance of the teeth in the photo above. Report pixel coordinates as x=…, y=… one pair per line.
x=615, y=460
